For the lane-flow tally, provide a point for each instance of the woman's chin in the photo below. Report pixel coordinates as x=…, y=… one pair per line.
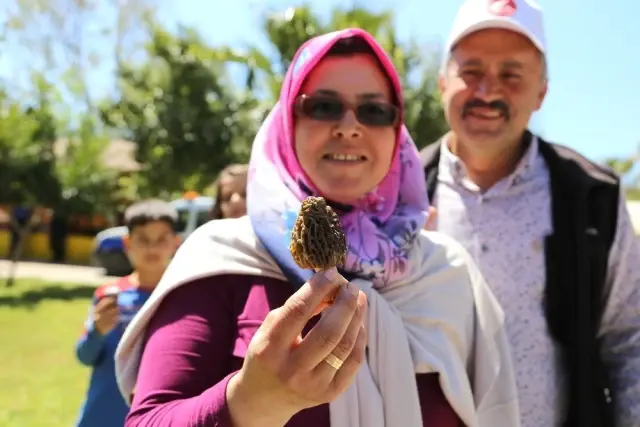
x=342, y=194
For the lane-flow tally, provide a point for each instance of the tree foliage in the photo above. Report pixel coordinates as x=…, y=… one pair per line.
x=182, y=111
x=289, y=30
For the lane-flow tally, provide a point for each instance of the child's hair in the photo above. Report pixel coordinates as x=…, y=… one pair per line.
x=151, y=210
x=233, y=170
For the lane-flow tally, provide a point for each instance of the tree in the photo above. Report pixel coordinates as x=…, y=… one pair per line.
x=182, y=111
x=27, y=164
x=87, y=186
x=289, y=30
x=626, y=168
x=27, y=168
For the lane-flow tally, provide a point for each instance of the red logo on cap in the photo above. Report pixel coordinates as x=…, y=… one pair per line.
x=502, y=7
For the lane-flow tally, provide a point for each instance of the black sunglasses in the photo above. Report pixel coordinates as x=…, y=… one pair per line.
x=327, y=108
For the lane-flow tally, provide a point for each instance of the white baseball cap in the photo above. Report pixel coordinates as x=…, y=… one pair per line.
x=521, y=16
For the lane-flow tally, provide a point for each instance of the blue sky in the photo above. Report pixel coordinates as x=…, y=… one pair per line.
x=594, y=58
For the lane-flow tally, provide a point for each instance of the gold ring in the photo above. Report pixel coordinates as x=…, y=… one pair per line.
x=332, y=360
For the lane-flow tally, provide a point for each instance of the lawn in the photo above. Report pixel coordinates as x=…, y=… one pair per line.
x=42, y=385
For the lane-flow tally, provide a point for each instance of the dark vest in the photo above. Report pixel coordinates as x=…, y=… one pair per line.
x=584, y=205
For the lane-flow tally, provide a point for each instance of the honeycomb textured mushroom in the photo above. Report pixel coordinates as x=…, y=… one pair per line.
x=317, y=240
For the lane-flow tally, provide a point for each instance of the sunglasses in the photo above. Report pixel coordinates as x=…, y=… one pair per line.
x=331, y=109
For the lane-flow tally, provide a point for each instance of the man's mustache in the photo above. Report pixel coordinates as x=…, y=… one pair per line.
x=499, y=106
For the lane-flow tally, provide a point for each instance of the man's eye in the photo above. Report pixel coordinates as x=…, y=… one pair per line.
x=511, y=76
x=472, y=73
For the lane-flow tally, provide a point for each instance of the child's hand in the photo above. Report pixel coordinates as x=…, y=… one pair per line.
x=106, y=314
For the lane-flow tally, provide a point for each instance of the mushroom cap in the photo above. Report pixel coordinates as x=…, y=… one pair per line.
x=317, y=240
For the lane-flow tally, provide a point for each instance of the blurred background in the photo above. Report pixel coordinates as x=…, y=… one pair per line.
x=105, y=102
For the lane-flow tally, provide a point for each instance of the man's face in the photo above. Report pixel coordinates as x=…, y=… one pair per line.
x=493, y=83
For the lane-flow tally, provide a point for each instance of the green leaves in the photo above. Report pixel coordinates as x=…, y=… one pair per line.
x=183, y=112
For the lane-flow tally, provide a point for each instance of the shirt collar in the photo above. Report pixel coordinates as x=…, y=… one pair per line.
x=453, y=168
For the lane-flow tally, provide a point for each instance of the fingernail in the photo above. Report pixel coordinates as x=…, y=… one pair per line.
x=331, y=274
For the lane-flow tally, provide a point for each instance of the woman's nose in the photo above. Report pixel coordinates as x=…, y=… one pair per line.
x=348, y=126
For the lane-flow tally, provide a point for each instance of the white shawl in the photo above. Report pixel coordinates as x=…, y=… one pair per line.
x=442, y=318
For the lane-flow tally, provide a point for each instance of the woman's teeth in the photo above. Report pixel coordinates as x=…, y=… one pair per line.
x=345, y=157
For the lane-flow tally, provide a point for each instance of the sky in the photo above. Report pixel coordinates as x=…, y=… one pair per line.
x=593, y=57
x=593, y=103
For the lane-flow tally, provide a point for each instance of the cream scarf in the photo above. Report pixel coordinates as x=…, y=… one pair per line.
x=441, y=318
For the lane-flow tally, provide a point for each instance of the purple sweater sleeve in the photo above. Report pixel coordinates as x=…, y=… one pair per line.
x=187, y=350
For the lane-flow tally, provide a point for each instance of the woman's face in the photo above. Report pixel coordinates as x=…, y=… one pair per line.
x=345, y=127
x=233, y=195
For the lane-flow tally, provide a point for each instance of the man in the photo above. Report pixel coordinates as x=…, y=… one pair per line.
x=548, y=228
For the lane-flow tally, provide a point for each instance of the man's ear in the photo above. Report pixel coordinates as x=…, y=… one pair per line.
x=542, y=95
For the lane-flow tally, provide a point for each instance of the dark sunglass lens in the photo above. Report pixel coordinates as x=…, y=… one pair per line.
x=323, y=108
x=377, y=114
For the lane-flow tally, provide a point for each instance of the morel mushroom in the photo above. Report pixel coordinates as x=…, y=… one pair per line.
x=317, y=239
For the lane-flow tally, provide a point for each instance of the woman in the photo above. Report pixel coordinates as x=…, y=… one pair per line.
x=413, y=339
x=231, y=193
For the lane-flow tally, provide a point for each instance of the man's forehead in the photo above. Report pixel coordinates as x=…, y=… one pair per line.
x=494, y=40
x=480, y=61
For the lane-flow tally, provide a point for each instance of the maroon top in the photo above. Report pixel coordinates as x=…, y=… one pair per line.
x=197, y=339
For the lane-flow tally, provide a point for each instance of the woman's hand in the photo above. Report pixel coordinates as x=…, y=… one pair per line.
x=284, y=373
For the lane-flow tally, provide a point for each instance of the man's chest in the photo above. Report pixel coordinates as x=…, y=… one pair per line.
x=504, y=234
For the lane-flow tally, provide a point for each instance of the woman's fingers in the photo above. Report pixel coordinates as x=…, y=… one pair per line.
x=352, y=363
x=331, y=334
x=285, y=324
x=325, y=368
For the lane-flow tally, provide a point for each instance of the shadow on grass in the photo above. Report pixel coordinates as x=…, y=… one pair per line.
x=53, y=292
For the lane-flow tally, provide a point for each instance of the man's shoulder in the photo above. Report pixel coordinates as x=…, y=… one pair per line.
x=595, y=170
x=430, y=154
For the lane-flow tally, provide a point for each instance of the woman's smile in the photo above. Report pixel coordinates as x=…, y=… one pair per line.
x=345, y=159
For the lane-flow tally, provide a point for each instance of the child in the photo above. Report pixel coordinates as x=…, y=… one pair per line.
x=150, y=244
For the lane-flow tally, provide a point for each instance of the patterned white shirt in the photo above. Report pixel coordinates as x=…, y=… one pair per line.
x=504, y=230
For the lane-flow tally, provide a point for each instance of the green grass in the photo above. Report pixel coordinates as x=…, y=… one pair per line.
x=41, y=383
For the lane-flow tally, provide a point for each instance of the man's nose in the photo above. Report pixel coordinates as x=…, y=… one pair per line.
x=488, y=89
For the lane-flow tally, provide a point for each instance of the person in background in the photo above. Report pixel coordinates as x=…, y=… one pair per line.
x=58, y=230
x=231, y=193
x=21, y=217
x=150, y=244
x=232, y=337
x=548, y=228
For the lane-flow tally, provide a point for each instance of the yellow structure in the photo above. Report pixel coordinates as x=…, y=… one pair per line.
x=79, y=248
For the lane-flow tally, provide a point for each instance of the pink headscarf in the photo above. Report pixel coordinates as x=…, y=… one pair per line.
x=380, y=227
